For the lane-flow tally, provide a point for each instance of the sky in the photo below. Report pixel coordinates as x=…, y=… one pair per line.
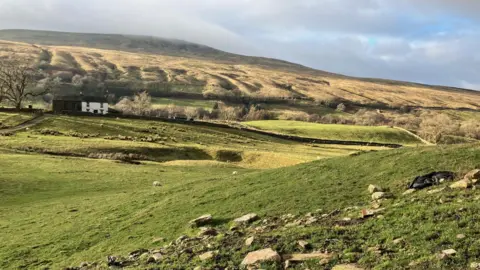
x=426, y=41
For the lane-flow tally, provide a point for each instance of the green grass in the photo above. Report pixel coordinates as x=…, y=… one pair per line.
x=163, y=102
x=174, y=142
x=12, y=119
x=57, y=211
x=337, y=132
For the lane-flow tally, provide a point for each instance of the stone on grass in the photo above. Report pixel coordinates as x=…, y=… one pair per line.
x=158, y=240
x=249, y=241
x=449, y=252
x=475, y=265
x=380, y=195
x=264, y=255
x=200, y=221
x=207, y=255
x=373, y=188
x=410, y=191
x=235, y=173
x=398, y=241
x=306, y=257
x=473, y=176
x=246, y=219
x=346, y=267
x=157, y=184
x=156, y=257
x=462, y=184
x=433, y=191
x=365, y=213
x=303, y=244
x=461, y=236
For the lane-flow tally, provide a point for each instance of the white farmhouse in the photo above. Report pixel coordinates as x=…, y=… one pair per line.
x=95, y=105
x=80, y=104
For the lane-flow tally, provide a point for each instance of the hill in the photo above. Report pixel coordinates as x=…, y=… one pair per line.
x=60, y=211
x=125, y=64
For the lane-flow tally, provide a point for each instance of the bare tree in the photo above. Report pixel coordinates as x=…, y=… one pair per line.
x=19, y=81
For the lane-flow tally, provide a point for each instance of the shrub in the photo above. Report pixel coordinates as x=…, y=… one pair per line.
x=294, y=115
x=341, y=107
x=433, y=127
x=140, y=105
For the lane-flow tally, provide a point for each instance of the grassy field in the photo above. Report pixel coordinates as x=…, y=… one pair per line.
x=337, y=132
x=163, y=102
x=12, y=119
x=58, y=211
x=167, y=142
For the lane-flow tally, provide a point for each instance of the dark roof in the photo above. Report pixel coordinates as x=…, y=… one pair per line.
x=81, y=98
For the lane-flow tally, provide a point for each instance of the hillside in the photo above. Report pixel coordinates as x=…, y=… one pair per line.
x=124, y=64
x=94, y=208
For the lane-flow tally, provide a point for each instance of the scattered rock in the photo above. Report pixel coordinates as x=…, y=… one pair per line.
x=346, y=267
x=448, y=253
x=461, y=236
x=246, y=219
x=365, y=213
x=398, y=241
x=303, y=244
x=473, y=176
x=156, y=257
x=207, y=255
x=207, y=232
x=249, y=241
x=84, y=264
x=157, y=184
x=462, y=184
x=263, y=255
x=373, y=188
x=310, y=220
x=347, y=219
x=158, y=240
x=475, y=265
x=306, y=257
x=235, y=173
x=380, y=195
x=181, y=239
x=200, y=221
x=410, y=191
x=433, y=191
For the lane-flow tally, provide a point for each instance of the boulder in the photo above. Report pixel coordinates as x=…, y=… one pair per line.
x=200, y=221
x=259, y=256
x=249, y=241
x=306, y=257
x=373, y=188
x=473, y=176
x=246, y=219
x=207, y=255
x=462, y=184
x=346, y=267
x=380, y=195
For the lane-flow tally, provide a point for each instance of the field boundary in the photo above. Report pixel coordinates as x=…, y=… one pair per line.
x=241, y=127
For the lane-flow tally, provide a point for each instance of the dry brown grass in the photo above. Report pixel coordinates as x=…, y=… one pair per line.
x=246, y=78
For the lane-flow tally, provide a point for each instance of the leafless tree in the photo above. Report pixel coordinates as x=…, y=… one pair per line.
x=19, y=81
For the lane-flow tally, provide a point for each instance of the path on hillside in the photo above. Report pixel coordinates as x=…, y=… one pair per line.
x=415, y=135
x=30, y=123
